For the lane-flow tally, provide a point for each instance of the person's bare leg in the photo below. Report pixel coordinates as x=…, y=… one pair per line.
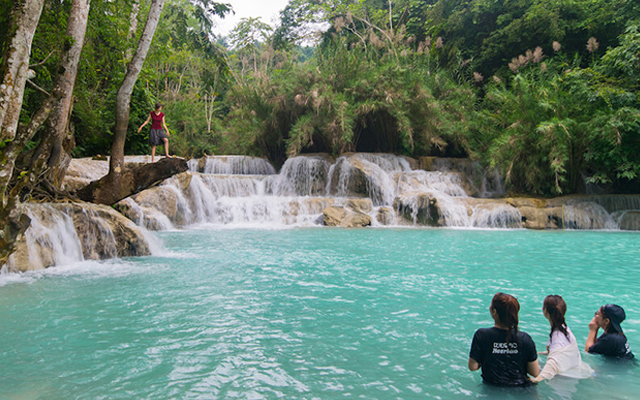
x=166, y=147
x=153, y=153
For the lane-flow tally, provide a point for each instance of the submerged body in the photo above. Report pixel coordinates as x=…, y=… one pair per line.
x=503, y=363
x=562, y=348
x=505, y=355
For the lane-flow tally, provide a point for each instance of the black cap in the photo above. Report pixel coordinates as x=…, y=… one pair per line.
x=615, y=314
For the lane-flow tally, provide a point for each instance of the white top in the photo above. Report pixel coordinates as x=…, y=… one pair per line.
x=558, y=340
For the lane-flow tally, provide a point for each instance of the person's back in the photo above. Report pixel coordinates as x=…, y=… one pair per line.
x=612, y=345
x=505, y=355
x=503, y=362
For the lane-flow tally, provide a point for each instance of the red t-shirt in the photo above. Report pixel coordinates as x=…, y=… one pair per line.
x=156, y=120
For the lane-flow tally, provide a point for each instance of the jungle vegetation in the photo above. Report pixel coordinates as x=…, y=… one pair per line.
x=544, y=90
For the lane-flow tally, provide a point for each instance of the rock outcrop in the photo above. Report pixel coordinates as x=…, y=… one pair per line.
x=62, y=233
x=340, y=216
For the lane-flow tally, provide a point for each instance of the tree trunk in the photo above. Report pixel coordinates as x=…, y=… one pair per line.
x=15, y=65
x=50, y=155
x=25, y=16
x=113, y=188
x=123, y=97
x=135, y=8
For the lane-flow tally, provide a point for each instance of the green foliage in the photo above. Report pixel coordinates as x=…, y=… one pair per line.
x=512, y=84
x=356, y=99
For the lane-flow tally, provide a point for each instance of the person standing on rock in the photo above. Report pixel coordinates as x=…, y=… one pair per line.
x=157, y=135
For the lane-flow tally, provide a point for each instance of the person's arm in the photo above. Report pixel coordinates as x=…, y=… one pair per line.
x=145, y=122
x=473, y=365
x=165, y=126
x=593, y=334
x=533, y=368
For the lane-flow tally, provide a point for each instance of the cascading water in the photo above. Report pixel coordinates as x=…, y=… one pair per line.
x=301, y=176
x=587, y=215
x=306, y=185
x=68, y=233
x=232, y=165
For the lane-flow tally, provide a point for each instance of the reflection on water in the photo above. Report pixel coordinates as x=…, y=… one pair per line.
x=309, y=313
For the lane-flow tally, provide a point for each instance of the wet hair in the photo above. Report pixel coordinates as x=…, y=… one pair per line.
x=556, y=308
x=158, y=105
x=507, y=308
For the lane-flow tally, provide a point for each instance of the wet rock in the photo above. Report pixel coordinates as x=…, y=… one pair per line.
x=386, y=216
x=630, y=221
x=419, y=208
x=71, y=232
x=160, y=197
x=339, y=216
x=359, y=205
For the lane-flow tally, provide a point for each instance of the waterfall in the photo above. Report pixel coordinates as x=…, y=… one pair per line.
x=496, y=215
x=301, y=176
x=67, y=233
x=587, y=215
x=245, y=191
x=53, y=240
x=484, y=183
x=232, y=165
x=370, y=175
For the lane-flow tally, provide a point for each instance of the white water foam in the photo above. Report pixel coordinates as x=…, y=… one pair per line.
x=232, y=165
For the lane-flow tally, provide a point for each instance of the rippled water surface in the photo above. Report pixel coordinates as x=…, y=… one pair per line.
x=309, y=314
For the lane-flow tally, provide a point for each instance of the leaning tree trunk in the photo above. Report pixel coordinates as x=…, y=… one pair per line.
x=50, y=155
x=15, y=66
x=121, y=182
x=123, y=98
x=112, y=188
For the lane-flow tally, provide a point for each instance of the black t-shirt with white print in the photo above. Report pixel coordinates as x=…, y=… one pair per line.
x=503, y=363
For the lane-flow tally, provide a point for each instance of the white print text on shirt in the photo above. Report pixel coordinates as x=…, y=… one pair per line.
x=505, y=348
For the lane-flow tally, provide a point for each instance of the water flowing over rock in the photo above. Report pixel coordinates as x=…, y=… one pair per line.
x=479, y=181
x=389, y=189
x=64, y=233
x=232, y=165
x=366, y=175
x=302, y=176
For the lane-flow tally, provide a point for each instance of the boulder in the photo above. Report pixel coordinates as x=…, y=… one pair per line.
x=630, y=221
x=161, y=198
x=386, y=216
x=359, y=205
x=339, y=216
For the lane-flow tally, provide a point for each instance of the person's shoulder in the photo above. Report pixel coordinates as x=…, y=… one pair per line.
x=483, y=332
x=611, y=337
x=524, y=336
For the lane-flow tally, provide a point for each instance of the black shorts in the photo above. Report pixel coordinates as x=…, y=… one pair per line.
x=156, y=137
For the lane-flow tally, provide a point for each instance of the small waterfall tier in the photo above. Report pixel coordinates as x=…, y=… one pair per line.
x=66, y=233
x=232, y=165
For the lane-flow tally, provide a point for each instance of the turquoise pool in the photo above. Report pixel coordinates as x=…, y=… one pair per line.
x=313, y=313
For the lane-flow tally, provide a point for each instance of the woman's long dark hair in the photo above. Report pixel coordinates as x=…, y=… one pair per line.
x=556, y=308
x=507, y=308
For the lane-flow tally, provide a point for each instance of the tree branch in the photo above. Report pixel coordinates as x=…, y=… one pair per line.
x=38, y=87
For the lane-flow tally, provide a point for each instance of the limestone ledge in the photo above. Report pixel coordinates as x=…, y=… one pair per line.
x=73, y=232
